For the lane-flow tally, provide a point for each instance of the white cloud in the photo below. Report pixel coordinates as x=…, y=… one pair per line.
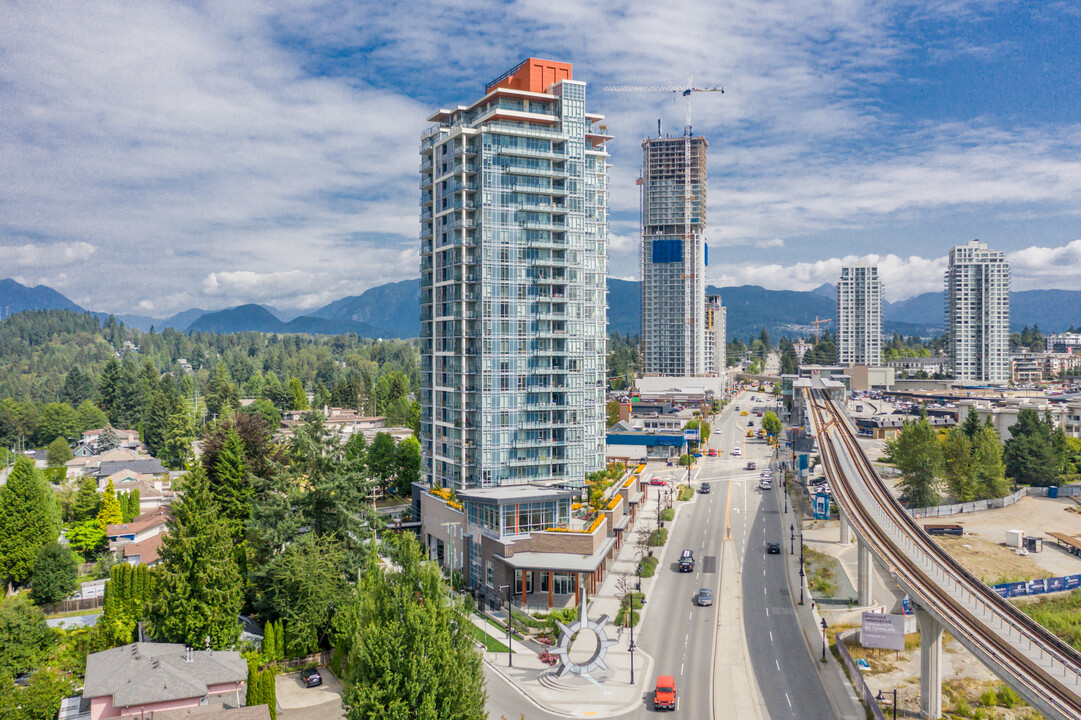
x=48, y=255
x=239, y=152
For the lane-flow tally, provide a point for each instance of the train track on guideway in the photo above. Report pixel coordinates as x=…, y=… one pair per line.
x=1042, y=668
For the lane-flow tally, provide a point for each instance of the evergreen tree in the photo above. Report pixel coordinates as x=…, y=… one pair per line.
x=134, y=504
x=110, y=512
x=230, y=484
x=407, y=645
x=109, y=385
x=270, y=644
x=108, y=439
x=87, y=500
x=157, y=424
x=179, y=434
x=198, y=591
x=918, y=455
x=304, y=585
x=296, y=389
x=222, y=396
x=78, y=387
x=1030, y=454
x=54, y=575
x=971, y=425
x=118, y=620
x=29, y=519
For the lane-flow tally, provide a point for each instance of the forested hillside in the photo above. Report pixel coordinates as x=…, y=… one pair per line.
x=61, y=370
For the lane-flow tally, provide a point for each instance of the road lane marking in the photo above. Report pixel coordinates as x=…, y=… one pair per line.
x=770, y=632
x=788, y=699
x=727, y=508
x=775, y=662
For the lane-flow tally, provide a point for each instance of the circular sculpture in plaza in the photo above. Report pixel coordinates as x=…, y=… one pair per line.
x=568, y=634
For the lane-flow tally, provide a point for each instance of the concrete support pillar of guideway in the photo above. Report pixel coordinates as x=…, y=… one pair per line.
x=846, y=529
x=863, y=572
x=930, y=664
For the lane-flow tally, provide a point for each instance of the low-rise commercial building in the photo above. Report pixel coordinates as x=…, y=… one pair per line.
x=526, y=543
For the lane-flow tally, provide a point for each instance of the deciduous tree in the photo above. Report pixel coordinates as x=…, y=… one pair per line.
x=58, y=452
x=918, y=456
x=53, y=578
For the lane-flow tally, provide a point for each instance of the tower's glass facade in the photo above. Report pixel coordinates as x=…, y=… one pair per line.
x=513, y=308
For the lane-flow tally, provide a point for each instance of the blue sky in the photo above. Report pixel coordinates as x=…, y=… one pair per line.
x=157, y=155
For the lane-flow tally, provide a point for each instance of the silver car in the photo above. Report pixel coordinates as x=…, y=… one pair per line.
x=704, y=597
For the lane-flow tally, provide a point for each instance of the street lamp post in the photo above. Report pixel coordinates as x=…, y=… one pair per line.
x=880, y=698
x=801, y=584
x=630, y=649
x=824, y=639
x=638, y=570
x=510, y=622
x=792, y=547
x=660, y=523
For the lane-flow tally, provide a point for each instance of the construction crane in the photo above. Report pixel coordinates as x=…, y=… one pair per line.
x=686, y=92
x=816, y=322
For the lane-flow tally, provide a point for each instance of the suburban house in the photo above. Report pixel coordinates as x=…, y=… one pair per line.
x=526, y=543
x=143, y=552
x=140, y=528
x=153, y=679
x=124, y=438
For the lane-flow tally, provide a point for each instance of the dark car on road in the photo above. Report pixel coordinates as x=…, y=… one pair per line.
x=704, y=488
x=311, y=677
x=686, y=561
x=773, y=548
x=704, y=598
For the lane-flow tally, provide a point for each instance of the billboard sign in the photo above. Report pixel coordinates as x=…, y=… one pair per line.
x=690, y=435
x=822, y=506
x=879, y=630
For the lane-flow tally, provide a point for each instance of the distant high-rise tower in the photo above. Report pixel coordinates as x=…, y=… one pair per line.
x=978, y=313
x=674, y=256
x=715, y=335
x=859, y=316
x=514, y=222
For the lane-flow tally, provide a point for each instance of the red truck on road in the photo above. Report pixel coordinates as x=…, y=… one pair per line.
x=664, y=697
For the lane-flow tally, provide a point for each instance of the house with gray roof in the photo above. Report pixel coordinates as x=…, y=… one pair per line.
x=146, y=678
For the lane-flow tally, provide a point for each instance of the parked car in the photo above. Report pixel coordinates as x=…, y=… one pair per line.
x=311, y=677
x=704, y=598
x=773, y=548
x=664, y=696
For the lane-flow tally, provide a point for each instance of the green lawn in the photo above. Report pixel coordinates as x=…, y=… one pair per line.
x=489, y=642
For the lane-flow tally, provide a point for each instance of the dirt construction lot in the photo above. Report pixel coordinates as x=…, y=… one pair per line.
x=985, y=532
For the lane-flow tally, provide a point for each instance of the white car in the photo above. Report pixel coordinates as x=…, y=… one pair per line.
x=737, y=452
x=766, y=484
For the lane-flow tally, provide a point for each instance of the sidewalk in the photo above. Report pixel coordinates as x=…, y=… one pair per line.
x=607, y=692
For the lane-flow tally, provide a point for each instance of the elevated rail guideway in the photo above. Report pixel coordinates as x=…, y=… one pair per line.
x=1043, y=669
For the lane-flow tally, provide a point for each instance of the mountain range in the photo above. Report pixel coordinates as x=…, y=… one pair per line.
x=392, y=311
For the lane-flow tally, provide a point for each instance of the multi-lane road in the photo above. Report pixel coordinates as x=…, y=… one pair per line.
x=679, y=635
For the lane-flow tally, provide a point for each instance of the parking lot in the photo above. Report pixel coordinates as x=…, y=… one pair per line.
x=297, y=702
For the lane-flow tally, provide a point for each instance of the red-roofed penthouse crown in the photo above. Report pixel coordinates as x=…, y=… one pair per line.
x=532, y=75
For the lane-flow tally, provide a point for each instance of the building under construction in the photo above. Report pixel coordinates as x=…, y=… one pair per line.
x=674, y=258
